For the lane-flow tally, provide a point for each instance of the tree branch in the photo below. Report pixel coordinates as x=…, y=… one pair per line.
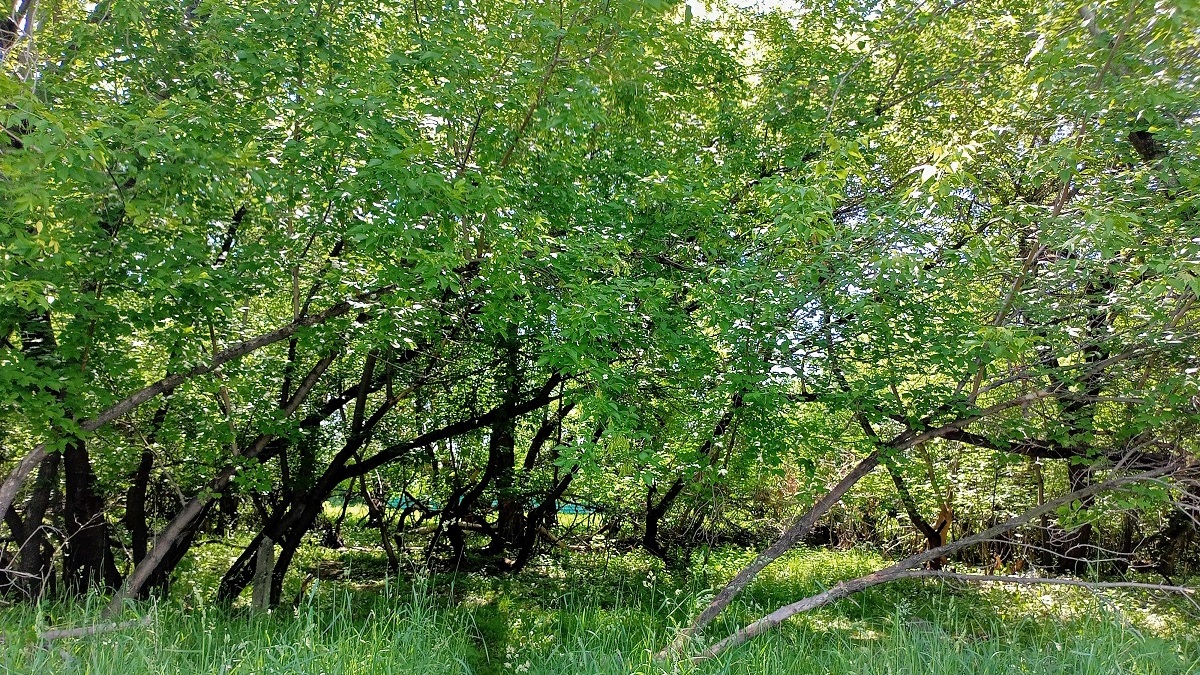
x=905, y=568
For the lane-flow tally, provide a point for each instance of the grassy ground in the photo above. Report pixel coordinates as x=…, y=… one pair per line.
x=596, y=614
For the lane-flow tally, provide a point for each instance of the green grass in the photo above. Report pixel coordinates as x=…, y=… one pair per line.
x=596, y=614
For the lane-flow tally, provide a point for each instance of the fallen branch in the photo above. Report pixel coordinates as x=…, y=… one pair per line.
x=905, y=569
x=802, y=526
x=548, y=536
x=794, y=534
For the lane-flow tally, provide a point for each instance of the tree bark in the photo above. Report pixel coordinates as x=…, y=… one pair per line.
x=135, y=507
x=378, y=515
x=88, y=561
x=135, y=497
x=34, y=557
x=654, y=515
x=263, y=569
x=535, y=518
x=502, y=454
x=934, y=536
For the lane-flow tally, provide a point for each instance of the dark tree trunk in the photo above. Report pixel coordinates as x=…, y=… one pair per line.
x=333, y=530
x=88, y=561
x=135, y=519
x=1045, y=553
x=288, y=547
x=299, y=512
x=241, y=572
x=289, y=525
x=34, y=558
x=499, y=471
x=935, y=535
x=510, y=507
x=654, y=515
x=227, y=511
x=537, y=517
x=545, y=515
x=1171, y=543
x=378, y=516
x=1079, y=417
x=502, y=456
x=180, y=531
x=287, y=529
x=458, y=509
x=135, y=507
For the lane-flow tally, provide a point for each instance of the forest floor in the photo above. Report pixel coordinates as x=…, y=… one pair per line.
x=595, y=613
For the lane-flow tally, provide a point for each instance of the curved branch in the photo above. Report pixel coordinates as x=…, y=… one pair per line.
x=905, y=568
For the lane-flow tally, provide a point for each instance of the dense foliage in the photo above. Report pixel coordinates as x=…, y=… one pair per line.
x=524, y=275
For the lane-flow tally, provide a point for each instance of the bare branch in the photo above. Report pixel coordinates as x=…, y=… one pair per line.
x=906, y=568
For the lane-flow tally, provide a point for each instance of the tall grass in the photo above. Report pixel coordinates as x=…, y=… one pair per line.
x=599, y=615
x=331, y=634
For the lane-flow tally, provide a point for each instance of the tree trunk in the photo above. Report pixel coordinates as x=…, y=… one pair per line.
x=295, y=536
x=378, y=515
x=263, y=568
x=654, y=515
x=88, y=561
x=656, y=512
x=935, y=536
x=502, y=456
x=241, y=571
x=34, y=558
x=534, y=521
x=179, y=533
x=135, y=507
x=227, y=511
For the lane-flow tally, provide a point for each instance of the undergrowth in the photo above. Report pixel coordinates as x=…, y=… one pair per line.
x=597, y=614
